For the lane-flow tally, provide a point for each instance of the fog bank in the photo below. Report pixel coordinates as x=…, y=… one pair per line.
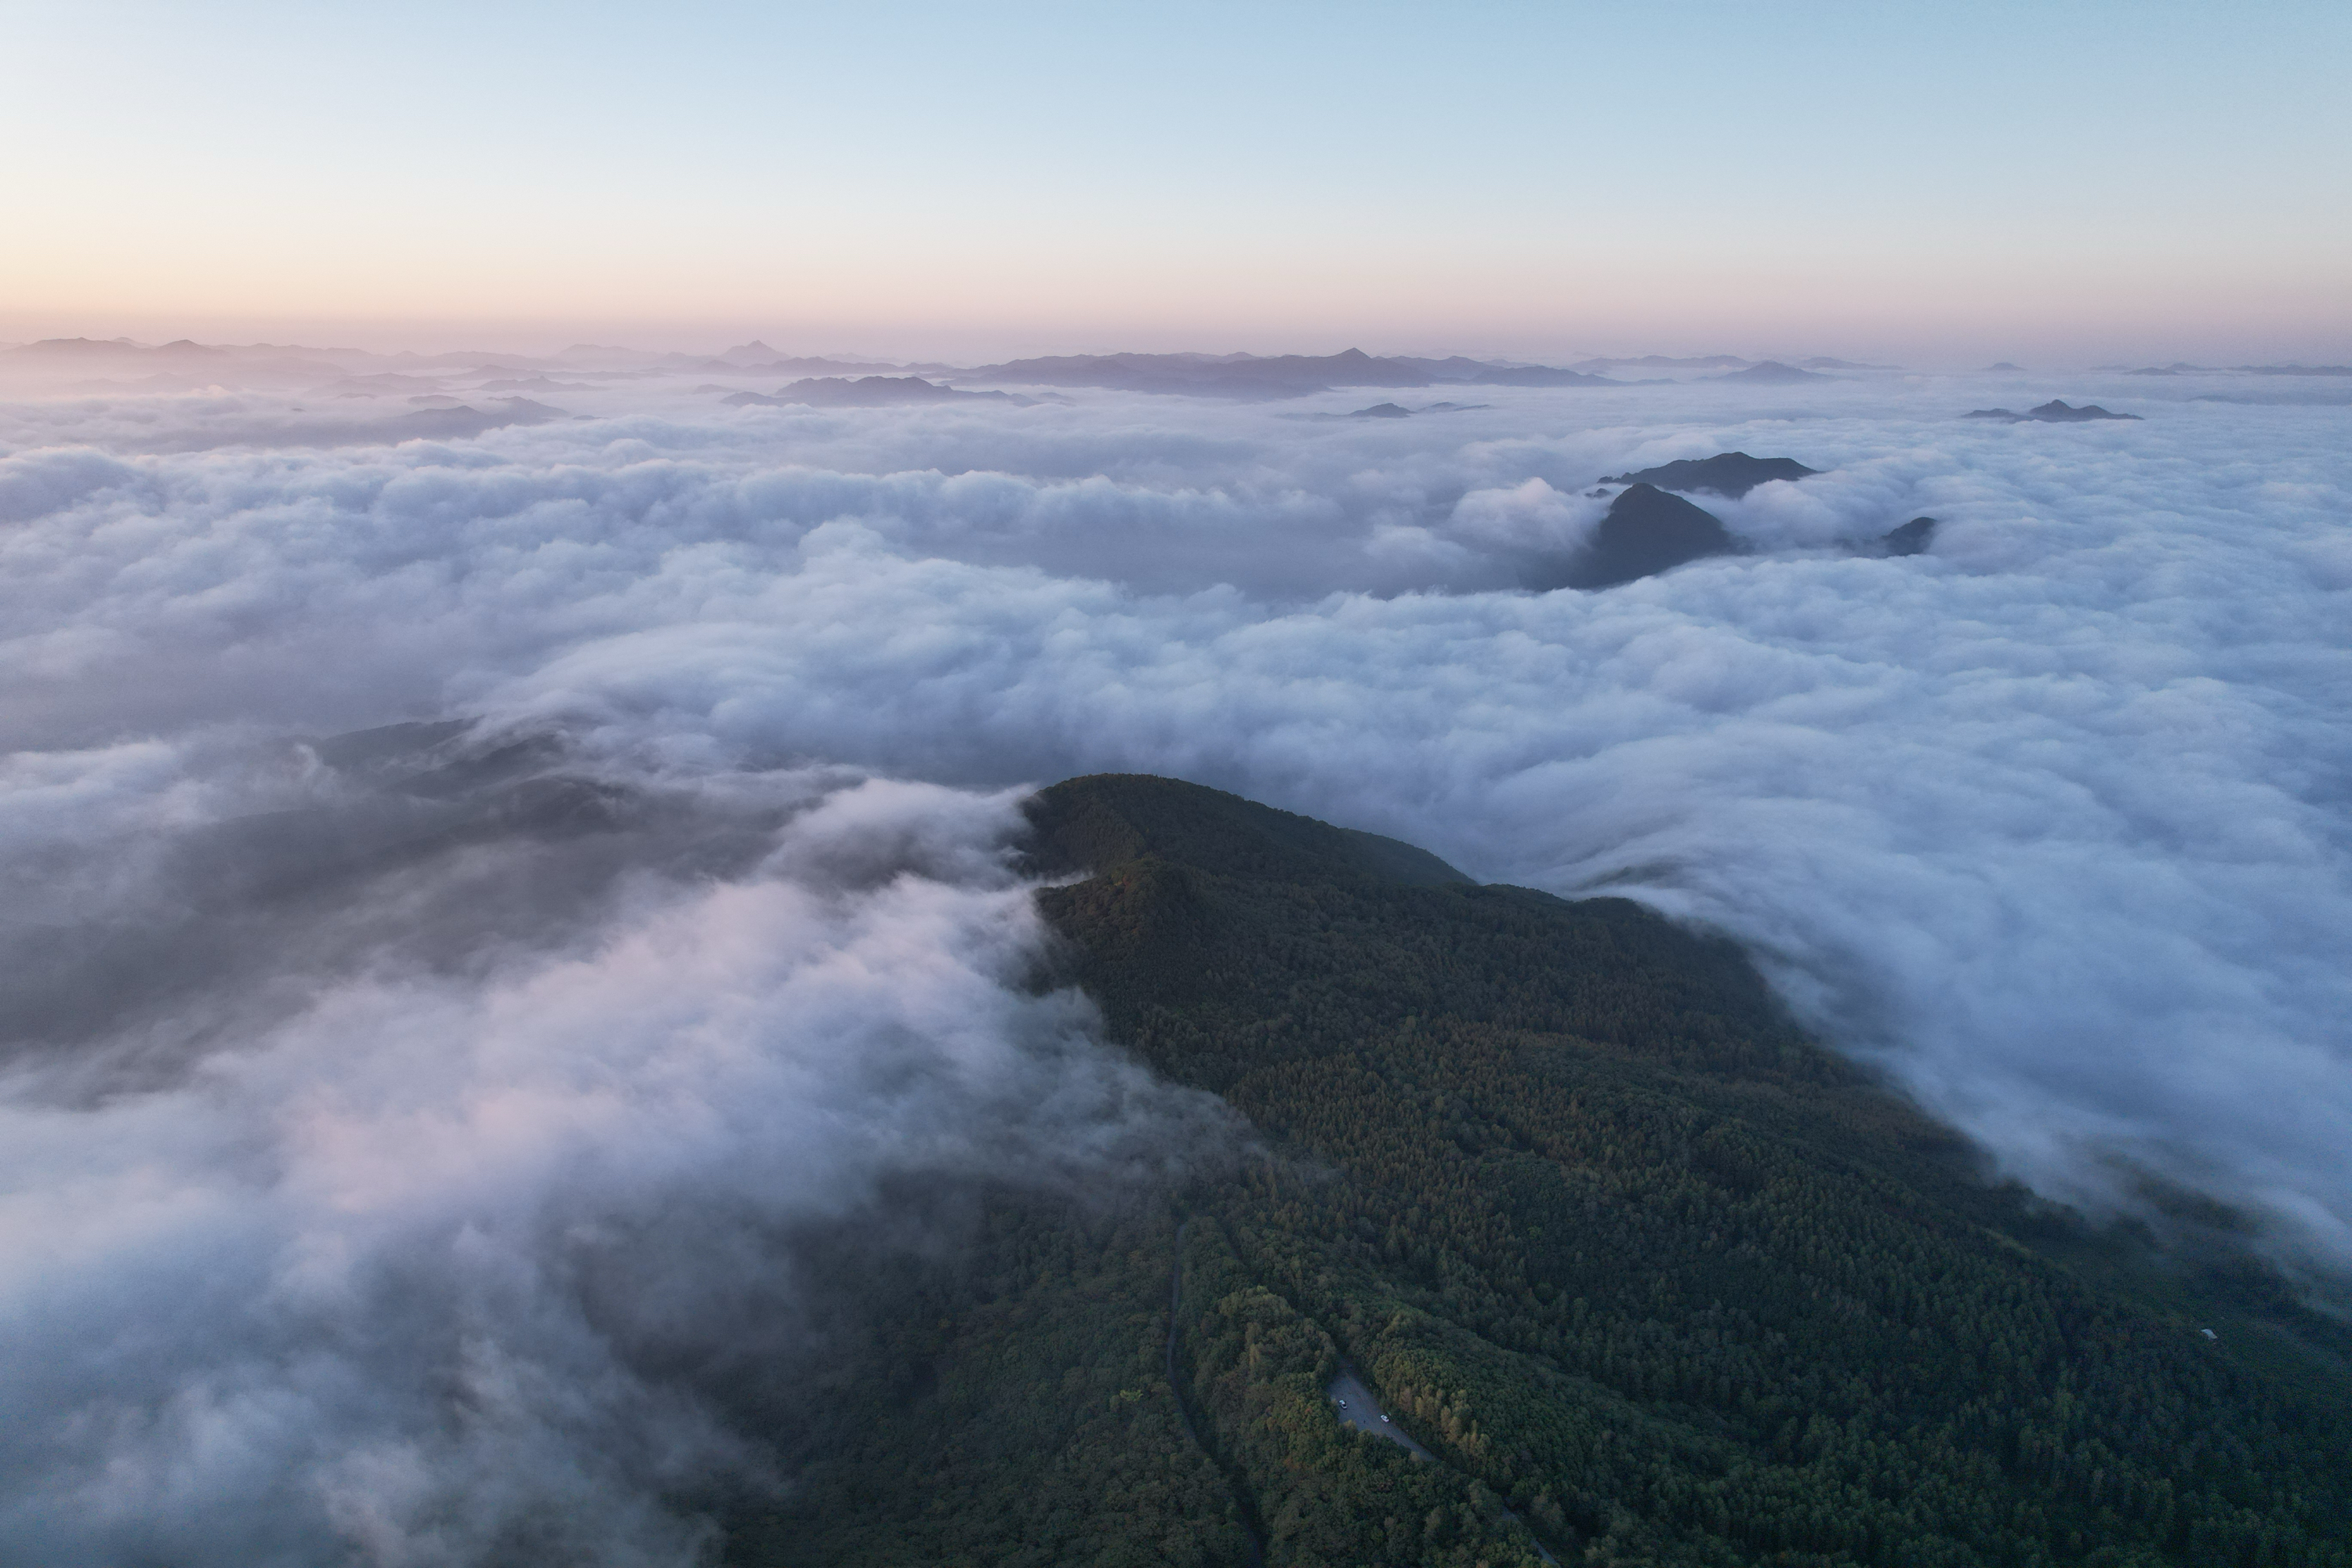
x=362, y=1082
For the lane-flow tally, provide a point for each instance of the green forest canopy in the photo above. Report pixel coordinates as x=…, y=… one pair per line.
x=1656, y=1278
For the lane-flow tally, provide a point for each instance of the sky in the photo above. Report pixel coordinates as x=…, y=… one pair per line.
x=1950, y=184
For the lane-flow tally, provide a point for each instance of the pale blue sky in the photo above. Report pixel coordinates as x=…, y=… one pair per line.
x=2145, y=178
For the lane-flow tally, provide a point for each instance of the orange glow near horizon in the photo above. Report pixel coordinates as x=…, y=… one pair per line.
x=2155, y=183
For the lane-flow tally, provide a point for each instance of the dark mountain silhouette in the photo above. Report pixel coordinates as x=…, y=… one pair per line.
x=1729, y=474
x=1381, y=411
x=1646, y=531
x=1114, y=818
x=1772, y=372
x=1911, y=539
x=2051, y=413
x=1824, y=362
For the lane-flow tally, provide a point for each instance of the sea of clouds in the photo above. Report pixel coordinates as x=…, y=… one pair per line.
x=384, y=1120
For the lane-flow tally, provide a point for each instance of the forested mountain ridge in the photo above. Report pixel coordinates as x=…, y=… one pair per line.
x=1600, y=1226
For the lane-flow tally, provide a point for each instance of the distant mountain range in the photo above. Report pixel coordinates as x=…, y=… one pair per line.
x=1666, y=362
x=1721, y=363
x=2183, y=368
x=1772, y=372
x=867, y=392
x=1298, y=376
x=2051, y=413
x=1271, y=376
x=123, y=366
x=758, y=357
x=172, y=366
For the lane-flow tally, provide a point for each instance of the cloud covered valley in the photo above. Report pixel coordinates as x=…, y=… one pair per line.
x=438, y=869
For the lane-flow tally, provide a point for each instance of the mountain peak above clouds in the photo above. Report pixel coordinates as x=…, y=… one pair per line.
x=1772, y=372
x=2056, y=410
x=1087, y=825
x=1728, y=474
x=1645, y=532
x=1910, y=539
x=2053, y=412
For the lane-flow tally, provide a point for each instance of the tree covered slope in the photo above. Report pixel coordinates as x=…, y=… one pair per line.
x=1657, y=1279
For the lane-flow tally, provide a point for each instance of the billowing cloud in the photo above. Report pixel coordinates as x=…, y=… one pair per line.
x=426, y=1165
x=2052, y=821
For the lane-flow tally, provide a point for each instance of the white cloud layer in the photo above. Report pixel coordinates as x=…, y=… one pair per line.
x=443, y=1233
x=2052, y=821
